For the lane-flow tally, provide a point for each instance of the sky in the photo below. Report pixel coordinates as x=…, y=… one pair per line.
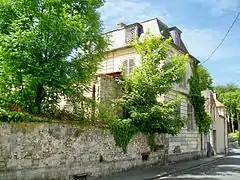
x=203, y=24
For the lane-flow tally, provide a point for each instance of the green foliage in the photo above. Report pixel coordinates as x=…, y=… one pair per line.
x=15, y=116
x=151, y=142
x=227, y=88
x=47, y=49
x=12, y=116
x=234, y=135
x=154, y=77
x=123, y=131
x=205, y=79
x=203, y=120
x=230, y=96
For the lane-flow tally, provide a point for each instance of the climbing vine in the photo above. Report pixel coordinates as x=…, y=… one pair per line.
x=203, y=120
x=123, y=131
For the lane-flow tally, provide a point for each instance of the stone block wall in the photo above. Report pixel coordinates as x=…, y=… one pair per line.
x=185, y=142
x=55, y=151
x=189, y=139
x=177, y=157
x=107, y=89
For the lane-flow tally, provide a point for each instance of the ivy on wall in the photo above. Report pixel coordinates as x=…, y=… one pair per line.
x=203, y=120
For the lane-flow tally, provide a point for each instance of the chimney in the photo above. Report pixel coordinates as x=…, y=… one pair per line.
x=121, y=25
x=176, y=35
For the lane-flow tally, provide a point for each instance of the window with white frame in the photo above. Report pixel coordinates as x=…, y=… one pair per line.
x=190, y=115
x=132, y=32
x=128, y=65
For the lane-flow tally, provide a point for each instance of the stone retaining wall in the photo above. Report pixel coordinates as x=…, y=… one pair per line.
x=55, y=151
x=177, y=157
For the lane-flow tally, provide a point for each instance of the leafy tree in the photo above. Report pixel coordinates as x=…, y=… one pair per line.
x=230, y=96
x=47, y=49
x=205, y=79
x=154, y=77
x=227, y=88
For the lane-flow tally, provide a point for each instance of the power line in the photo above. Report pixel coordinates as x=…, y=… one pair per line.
x=229, y=29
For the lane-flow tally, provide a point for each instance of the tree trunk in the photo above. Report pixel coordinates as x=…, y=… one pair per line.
x=231, y=122
x=39, y=98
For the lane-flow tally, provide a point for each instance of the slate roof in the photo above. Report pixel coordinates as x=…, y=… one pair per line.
x=166, y=32
x=164, y=29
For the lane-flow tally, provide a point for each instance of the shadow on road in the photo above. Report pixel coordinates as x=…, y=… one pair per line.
x=227, y=168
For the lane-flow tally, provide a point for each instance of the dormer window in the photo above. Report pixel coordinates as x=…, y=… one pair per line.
x=176, y=35
x=133, y=31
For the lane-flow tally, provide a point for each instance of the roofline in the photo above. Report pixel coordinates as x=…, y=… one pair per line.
x=117, y=29
x=127, y=46
x=119, y=48
x=185, y=52
x=149, y=20
x=173, y=28
x=221, y=106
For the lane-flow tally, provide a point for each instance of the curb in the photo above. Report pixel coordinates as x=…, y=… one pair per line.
x=185, y=169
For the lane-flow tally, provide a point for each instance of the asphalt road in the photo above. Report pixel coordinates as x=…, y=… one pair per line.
x=227, y=168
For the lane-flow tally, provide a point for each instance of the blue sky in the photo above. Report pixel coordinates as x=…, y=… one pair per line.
x=203, y=24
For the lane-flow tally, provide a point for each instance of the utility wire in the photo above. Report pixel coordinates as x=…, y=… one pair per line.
x=229, y=29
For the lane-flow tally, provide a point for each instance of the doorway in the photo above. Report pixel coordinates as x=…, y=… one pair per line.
x=215, y=140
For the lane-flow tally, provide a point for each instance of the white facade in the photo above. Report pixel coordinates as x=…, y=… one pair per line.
x=117, y=36
x=221, y=126
x=217, y=136
x=120, y=51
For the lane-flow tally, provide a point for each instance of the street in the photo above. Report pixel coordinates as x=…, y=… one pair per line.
x=227, y=168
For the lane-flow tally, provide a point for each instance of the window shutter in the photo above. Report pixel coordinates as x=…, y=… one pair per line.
x=128, y=65
x=110, y=66
x=190, y=116
x=125, y=66
x=104, y=66
x=131, y=65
